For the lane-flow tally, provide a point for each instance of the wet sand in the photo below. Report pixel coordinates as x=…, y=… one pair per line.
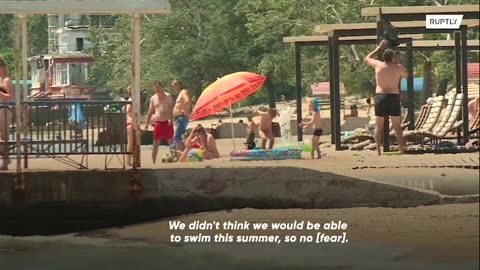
x=436, y=237
x=438, y=233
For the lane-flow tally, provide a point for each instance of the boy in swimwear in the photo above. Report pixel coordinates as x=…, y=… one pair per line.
x=314, y=107
x=266, y=126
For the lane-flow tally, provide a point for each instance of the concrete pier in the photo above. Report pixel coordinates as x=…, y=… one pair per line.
x=57, y=202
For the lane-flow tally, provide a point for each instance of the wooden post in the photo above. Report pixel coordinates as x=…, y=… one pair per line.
x=24, y=19
x=410, y=86
x=135, y=36
x=336, y=91
x=465, y=115
x=332, y=88
x=18, y=109
x=298, y=77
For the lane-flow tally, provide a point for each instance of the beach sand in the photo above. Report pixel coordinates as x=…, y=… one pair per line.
x=437, y=233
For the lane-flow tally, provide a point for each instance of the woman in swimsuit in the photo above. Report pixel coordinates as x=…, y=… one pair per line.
x=205, y=140
x=5, y=113
x=129, y=111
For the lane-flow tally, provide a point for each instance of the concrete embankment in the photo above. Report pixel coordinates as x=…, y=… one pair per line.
x=61, y=202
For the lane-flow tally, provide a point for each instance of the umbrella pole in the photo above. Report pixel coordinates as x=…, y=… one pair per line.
x=231, y=118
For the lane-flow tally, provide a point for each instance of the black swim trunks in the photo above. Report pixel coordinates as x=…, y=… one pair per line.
x=387, y=104
x=318, y=132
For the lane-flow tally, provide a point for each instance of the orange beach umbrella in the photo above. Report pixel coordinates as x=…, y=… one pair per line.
x=226, y=91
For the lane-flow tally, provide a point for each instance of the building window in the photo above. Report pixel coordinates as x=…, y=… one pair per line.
x=61, y=74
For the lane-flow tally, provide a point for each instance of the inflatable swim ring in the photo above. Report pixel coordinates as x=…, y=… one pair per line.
x=272, y=154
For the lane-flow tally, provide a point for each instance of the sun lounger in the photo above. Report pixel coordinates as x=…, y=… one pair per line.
x=423, y=116
x=473, y=128
x=432, y=118
x=442, y=127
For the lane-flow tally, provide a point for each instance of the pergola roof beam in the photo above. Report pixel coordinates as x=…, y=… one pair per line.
x=410, y=13
x=473, y=44
x=325, y=38
x=367, y=29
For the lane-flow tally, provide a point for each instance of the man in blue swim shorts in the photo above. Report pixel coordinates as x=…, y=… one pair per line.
x=181, y=111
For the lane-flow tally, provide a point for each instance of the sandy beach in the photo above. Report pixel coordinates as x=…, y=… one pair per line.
x=436, y=237
x=445, y=233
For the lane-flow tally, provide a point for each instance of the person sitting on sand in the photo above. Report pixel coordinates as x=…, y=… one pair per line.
x=251, y=128
x=353, y=112
x=266, y=126
x=314, y=123
x=205, y=140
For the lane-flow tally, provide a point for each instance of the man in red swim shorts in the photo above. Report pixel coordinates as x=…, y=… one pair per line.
x=161, y=105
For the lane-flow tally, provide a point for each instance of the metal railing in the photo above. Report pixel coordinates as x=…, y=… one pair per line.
x=63, y=128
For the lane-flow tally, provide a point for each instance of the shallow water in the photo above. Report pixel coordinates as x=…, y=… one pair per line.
x=69, y=252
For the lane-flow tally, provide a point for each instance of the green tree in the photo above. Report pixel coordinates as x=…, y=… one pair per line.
x=202, y=40
x=37, y=34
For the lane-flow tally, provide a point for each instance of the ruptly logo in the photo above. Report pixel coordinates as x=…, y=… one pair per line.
x=443, y=21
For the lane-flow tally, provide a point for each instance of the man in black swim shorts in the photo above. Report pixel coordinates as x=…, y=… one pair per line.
x=388, y=74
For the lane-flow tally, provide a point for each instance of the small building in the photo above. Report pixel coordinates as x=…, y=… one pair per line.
x=473, y=72
x=61, y=75
x=323, y=89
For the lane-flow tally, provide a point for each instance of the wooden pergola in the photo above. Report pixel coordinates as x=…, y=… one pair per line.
x=134, y=8
x=337, y=34
x=398, y=15
x=334, y=82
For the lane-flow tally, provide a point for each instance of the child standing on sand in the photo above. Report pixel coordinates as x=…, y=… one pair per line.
x=314, y=107
x=251, y=128
x=266, y=126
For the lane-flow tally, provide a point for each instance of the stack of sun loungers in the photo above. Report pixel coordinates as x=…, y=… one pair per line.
x=473, y=128
x=427, y=117
x=445, y=122
x=431, y=128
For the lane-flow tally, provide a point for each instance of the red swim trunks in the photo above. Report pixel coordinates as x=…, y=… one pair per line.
x=162, y=130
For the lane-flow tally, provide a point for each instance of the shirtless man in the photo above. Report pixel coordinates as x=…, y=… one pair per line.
x=265, y=131
x=6, y=94
x=181, y=112
x=161, y=105
x=388, y=74
x=314, y=123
